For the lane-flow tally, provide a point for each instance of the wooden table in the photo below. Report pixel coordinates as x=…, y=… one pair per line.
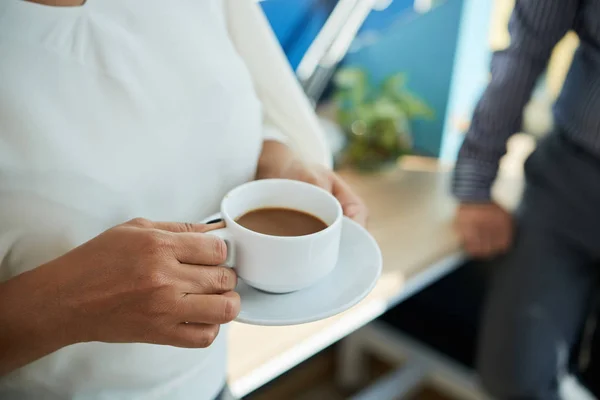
x=411, y=219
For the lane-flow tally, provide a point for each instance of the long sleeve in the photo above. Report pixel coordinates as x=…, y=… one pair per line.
x=535, y=28
x=288, y=115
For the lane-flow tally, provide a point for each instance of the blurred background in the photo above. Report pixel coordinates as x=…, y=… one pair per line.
x=437, y=52
x=396, y=81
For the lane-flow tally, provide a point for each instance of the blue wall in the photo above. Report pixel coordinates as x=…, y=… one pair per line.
x=423, y=47
x=471, y=73
x=443, y=52
x=296, y=23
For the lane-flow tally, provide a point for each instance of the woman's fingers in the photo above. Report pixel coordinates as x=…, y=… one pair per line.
x=188, y=243
x=352, y=204
x=199, y=279
x=175, y=227
x=199, y=248
x=209, y=308
x=194, y=335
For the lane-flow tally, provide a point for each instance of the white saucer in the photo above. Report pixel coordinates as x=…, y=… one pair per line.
x=353, y=278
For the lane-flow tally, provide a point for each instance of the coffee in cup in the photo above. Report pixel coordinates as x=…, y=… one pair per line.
x=281, y=222
x=282, y=235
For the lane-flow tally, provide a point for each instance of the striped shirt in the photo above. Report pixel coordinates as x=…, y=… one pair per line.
x=535, y=27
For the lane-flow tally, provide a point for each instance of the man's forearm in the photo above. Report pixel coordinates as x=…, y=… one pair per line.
x=498, y=115
x=31, y=322
x=535, y=28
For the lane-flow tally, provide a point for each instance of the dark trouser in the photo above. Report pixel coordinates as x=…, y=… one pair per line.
x=542, y=291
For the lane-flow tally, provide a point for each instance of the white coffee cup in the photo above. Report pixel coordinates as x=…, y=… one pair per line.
x=281, y=264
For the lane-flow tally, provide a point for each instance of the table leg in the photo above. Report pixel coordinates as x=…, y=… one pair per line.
x=351, y=371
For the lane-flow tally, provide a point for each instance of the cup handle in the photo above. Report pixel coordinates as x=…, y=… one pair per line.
x=223, y=233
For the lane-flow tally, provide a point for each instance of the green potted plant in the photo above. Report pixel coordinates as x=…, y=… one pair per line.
x=376, y=118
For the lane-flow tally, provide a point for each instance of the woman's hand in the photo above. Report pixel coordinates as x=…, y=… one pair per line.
x=141, y=281
x=278, y=161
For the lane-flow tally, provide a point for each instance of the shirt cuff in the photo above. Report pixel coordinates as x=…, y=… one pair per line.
x=473, y=180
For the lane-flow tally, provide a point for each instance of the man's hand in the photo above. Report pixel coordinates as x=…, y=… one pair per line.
x=278, y=161
x=486, y=230
x=142, y=281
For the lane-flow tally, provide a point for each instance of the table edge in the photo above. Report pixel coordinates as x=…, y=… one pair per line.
x=343, y=327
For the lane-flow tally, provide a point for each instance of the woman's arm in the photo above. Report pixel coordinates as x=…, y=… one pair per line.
x=126, y=285
x=32, y=324
x=274, y=159
x=286, y=108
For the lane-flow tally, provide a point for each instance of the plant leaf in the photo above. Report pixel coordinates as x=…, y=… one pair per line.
x=394, y=84
x=414, y=106
x=354, y=82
